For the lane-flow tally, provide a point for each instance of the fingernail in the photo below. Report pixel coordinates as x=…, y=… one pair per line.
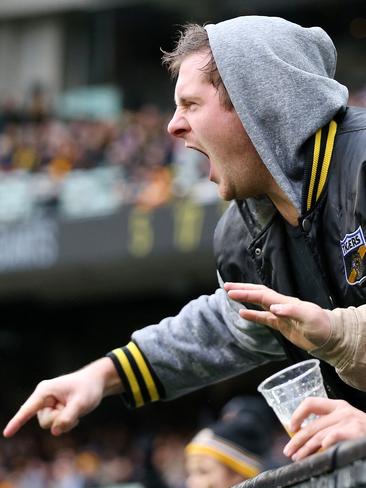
x=286, y=451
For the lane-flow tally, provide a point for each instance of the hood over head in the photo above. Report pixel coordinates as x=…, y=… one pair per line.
x=279, y=77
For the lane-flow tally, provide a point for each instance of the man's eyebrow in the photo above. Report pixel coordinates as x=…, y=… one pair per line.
x=185, y=100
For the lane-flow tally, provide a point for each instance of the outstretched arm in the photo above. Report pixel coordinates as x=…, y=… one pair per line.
x=60, y=403
x=163, y=361
x=337, y=421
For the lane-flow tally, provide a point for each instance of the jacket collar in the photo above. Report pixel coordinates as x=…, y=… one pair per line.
x=318, y=159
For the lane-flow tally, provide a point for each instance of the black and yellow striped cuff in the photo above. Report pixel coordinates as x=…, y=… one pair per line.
x=142, y=386
x=317, y=174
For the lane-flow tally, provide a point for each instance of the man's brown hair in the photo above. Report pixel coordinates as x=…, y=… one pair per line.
x=193, y=39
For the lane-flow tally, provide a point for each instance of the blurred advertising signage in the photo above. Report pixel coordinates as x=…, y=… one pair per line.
x=95, y=102
x=147, y=230
x=27, y=245
x=182, y=227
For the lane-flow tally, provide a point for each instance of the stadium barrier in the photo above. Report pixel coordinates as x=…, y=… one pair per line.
x=111, y=253
x=341, y=466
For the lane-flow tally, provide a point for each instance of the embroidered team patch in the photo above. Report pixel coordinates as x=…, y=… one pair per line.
x=354, y=256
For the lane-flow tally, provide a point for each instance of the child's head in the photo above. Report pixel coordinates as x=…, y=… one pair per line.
x=224, y=454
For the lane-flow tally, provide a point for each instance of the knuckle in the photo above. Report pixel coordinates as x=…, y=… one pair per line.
x=342, y=403
x=303, y=452
x=331, y=438
x=78, y=405
x=42, y=386
x=271, y=320
x=315, y=441
x=298, y=440
x=356, y=427
x=305, y=432
x=305, y=404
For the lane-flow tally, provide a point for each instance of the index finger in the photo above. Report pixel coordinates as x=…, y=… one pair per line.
x=231, y=285
x=263, y=297
x=27, y=411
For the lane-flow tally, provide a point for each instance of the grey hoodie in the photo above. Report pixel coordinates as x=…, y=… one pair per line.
x=279, y=78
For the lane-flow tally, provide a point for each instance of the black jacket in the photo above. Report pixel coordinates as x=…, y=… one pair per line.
x=323, y=259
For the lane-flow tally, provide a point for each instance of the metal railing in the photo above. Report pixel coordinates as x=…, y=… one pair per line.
x=341, y=466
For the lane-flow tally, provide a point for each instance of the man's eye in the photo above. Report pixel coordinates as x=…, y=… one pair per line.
x=191, y=105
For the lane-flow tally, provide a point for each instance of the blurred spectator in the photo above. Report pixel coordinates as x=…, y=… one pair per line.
x=157, y=189
x=38, y=107
x=251, y=406
x=226, y=453
x=168, y=458
x=255, y=409
x=358, y=98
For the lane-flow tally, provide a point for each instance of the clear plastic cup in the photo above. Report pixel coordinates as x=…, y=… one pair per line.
x=285, y=390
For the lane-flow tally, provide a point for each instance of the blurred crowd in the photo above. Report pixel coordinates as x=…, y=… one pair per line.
x=119, y=456
x=108, y=458
x=54, y=163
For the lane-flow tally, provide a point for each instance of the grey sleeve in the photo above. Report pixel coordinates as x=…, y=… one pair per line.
x=206, y=342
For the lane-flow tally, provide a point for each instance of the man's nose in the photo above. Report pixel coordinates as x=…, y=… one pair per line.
x=178, y=126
